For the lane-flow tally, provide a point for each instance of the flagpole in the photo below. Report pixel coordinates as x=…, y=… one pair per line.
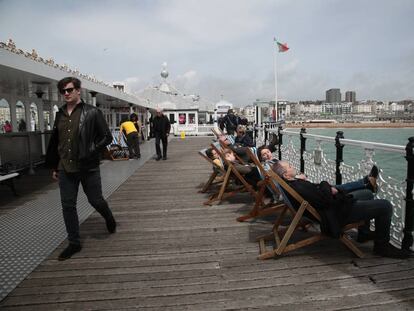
x=275, y=73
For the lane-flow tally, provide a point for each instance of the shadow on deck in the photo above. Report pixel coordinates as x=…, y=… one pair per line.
x=171, y=252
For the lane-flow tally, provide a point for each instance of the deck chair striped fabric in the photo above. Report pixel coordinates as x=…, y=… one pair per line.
x=282, y=237
x=118, y=150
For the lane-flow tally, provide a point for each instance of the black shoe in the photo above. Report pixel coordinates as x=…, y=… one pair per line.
x=275, y=140
x=164, y=157
x=111, y=224
x=365, y=236
x=138, y=156
x=158, y=158
x=374, y=172
x=69, y=251
x=371, y=183
x=387, y=250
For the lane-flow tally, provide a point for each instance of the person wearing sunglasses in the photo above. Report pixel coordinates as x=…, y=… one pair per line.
x=79, y=136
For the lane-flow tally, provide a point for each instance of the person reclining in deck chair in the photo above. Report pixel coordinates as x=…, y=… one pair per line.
x=249, y=171
x=213, y=155
x=338, y=208
x=241, y=151
x=369, y=182
x=242, y=139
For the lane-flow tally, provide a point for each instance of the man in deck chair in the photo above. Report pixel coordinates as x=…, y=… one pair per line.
x=369, y=182
x=338, y=209
x=249, y=171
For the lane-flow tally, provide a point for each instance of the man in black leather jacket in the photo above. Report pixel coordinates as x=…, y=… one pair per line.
x=80, y=134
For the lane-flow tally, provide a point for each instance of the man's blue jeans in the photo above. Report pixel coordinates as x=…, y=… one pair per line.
x=69, y=186
x=352, y=186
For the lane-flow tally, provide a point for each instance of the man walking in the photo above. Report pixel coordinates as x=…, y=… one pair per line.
x=162, y=127
x=80, y=133
x=132, y=136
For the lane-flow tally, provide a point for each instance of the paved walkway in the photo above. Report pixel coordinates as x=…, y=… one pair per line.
x=173, y=253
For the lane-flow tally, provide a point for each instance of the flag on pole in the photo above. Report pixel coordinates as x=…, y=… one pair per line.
x=281, y=46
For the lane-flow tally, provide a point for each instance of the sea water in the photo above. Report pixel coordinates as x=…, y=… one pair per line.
x=391, y=164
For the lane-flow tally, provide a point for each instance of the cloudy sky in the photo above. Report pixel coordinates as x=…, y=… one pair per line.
x=225, y=47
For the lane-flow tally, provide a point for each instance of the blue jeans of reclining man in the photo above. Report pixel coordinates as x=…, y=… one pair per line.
x=69, y=186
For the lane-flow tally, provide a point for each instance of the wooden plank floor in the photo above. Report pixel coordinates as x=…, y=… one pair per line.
x=172, y=253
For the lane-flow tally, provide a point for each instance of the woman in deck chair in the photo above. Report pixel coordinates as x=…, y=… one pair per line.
x=338, y=209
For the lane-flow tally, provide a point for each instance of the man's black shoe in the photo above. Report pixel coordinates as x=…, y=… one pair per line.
x=158, y=158
x=138, y=156
x=69, y=251
x=387, y=250
x=164, y=158
x=371, y=184
x=111, y=225
x=374, y=172
x=365, y=236
x=275, y=140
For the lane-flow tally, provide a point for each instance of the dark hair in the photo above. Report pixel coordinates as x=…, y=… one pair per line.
x=133, y=117
x=259, y=152
x=209, y=153
x=62, y=83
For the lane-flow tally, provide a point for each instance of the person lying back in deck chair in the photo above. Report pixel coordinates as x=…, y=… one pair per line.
x=369, y=181
x=249, y=171
x=338, y=209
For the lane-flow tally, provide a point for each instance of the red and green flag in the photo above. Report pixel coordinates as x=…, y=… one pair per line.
x=281, y=46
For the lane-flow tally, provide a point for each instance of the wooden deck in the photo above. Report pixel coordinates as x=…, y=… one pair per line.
x=173, y=253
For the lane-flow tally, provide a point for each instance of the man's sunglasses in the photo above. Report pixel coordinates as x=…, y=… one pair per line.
x=68, y=90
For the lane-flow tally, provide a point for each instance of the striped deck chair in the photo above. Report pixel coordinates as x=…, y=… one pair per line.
x=231, y=176
x=118, y=150
x=260, y=209
x=217, y=171
x=283, y=236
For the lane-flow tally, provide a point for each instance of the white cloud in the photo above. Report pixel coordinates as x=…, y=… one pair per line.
x=225, y=47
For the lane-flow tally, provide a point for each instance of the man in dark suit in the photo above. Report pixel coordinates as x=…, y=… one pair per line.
x=161, y=127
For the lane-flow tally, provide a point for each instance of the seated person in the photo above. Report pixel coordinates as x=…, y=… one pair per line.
x=213, y=155
x=338, y=209
x=242, y=139
x=368, y=182
x=248, y=171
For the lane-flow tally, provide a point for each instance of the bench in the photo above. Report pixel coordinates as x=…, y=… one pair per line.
x=7, y=179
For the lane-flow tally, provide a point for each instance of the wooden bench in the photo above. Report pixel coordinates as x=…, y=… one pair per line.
x=8, y=179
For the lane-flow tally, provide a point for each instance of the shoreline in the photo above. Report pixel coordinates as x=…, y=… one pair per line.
x=351, y=125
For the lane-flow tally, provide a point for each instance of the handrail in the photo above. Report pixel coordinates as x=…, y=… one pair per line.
x=352, y=142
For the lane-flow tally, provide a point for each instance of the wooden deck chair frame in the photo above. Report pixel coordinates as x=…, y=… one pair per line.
x=115, y=150
x=282, y=243
x=216, y=171
x=260, y=209
x=231, y=173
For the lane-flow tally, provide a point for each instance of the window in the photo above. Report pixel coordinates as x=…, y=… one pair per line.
x=191, y=118
x=182, y=118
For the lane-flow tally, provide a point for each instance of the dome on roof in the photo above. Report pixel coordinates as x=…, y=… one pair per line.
x=164, y=72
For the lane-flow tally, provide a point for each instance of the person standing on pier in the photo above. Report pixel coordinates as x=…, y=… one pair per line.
x=161, y=127
x=80, y=134
x=132, y=136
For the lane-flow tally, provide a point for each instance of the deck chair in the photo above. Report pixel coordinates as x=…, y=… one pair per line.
x=282, y=237
x=260, y=209
x=118, y=150
x=231, y=175
x=217, y=171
